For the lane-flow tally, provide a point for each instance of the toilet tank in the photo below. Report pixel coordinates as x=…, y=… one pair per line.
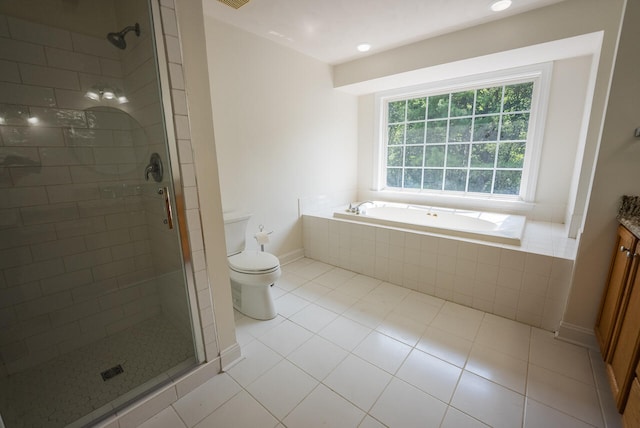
x=235, y=229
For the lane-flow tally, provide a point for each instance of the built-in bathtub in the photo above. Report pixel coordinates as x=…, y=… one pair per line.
x=486, y=226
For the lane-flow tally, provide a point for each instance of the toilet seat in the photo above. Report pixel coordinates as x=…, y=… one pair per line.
x=254, y=263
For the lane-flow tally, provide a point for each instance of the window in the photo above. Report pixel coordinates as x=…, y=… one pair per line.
x=474, y=140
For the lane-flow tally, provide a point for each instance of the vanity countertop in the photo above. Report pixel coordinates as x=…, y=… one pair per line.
x=631, y=223
x=629, y=214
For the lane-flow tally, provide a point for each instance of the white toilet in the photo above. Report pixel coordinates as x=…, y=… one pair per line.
x=252, y=272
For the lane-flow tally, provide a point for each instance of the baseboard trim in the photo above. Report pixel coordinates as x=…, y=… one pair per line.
x=577, y=335
x=291, y=256
x=230, y=356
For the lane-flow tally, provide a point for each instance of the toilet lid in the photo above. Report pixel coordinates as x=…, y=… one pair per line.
x=253, y=262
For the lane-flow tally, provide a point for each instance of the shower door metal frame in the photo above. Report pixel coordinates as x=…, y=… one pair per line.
x=176, y=177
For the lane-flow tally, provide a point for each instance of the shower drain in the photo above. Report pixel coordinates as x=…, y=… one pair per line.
x=112, y=372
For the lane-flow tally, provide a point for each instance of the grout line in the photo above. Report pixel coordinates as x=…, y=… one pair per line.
x=604, y=412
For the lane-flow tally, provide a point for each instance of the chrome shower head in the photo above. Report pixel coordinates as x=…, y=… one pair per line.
x=117, y=39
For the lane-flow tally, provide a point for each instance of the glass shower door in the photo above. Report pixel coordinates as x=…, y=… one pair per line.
x=94, y=309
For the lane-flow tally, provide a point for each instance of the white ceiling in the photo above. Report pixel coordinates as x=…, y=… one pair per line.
x=330, y=30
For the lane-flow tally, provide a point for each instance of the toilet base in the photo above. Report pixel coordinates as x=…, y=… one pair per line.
x=254, y=301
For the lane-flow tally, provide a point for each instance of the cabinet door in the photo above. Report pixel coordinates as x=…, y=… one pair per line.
x=631, y=415
x=623, y=357
x=614, y=292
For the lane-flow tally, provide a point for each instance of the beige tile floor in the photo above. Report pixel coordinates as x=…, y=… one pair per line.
x=347, y=350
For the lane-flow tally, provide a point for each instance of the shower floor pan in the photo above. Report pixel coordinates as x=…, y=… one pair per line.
x=70, y=391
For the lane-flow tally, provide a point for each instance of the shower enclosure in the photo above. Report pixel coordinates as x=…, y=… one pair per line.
x=94, y=302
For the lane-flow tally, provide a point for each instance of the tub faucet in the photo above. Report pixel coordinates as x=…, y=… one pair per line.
x=356, y=208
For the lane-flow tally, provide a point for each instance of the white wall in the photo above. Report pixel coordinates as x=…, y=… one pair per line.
x=616, y=174
x=561, y=139
x=282, y=132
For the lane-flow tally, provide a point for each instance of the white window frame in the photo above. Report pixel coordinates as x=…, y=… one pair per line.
x=540, y=74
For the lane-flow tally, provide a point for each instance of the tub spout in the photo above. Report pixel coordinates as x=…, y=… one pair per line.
x=356, y=208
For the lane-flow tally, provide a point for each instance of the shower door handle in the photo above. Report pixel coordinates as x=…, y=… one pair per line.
x=167, y=207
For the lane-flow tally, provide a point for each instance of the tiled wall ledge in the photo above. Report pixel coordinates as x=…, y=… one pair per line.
x=529, y=284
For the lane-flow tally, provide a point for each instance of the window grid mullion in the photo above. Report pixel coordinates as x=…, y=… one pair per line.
x=498, y=141
x=404, y=143
x=473, y=124
x=424, y=146
x=446, y=145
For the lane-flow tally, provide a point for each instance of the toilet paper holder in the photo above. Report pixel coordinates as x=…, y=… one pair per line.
x=262, y=237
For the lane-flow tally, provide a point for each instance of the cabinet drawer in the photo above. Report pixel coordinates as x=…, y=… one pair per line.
x=631, y=415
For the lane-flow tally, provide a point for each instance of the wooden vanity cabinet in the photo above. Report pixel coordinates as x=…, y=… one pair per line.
x=624, y=350
x=615, y=292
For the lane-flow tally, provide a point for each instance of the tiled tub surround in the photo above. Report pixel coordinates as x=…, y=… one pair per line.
x=527, y=283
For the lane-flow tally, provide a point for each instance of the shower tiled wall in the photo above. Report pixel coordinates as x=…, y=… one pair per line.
x=74, y=218
x=141, y=82
x=523, y=286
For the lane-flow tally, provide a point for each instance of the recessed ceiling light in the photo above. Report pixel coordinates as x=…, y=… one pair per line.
x=500, y=5
x=363, y=47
